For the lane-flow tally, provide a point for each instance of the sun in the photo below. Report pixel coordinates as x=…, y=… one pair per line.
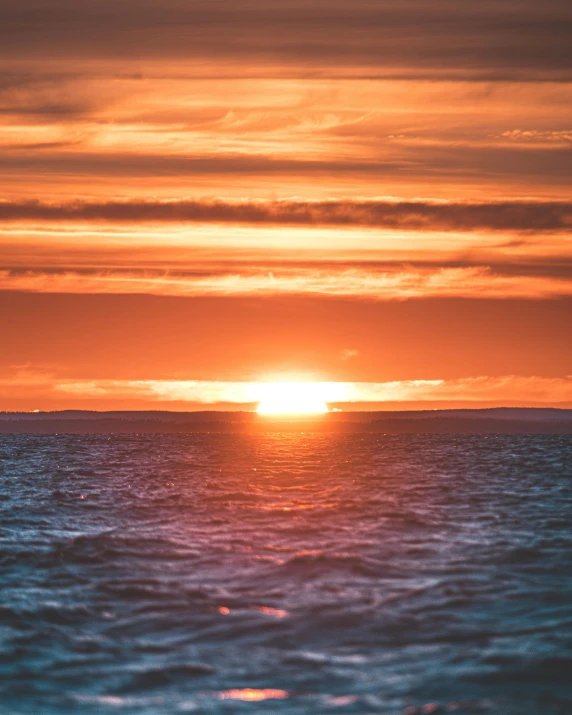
x=292, y=398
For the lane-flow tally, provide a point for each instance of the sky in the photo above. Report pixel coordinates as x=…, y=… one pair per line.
x=197, y=196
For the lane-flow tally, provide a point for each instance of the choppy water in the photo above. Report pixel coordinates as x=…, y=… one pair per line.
x=290, y=573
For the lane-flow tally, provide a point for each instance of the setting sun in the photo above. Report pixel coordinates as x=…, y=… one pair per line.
x=292, y=398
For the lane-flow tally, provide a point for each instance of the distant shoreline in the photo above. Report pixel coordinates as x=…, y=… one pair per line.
x=465, y=421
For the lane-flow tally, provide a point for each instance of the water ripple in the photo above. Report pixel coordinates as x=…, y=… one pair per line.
x=293, y=573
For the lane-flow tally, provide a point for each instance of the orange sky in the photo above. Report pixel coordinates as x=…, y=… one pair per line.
x=197, y=195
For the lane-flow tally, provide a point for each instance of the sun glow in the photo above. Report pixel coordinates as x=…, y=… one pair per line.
x=292, y=398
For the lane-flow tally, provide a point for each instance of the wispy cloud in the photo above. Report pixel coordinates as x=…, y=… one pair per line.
x=48, y=387
x=477, y=282
x=533, y=136
x=509, y=388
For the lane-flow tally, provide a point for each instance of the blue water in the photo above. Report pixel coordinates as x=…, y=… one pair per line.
x=287, y=573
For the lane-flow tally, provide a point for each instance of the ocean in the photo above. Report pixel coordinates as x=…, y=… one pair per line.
x=285, y=573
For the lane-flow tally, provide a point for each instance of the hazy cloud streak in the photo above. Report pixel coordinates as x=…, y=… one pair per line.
x=406, y=215
x=508, y=388
x=480, y=388
x=477, y=282
x=487, y=39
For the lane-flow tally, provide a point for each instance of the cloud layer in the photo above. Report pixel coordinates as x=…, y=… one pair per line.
x=405, y=215
x=508, y=389
x=492, y=39
x=178, y=176
x=470, y=282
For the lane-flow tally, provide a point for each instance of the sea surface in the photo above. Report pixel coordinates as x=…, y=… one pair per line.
x=285, y=573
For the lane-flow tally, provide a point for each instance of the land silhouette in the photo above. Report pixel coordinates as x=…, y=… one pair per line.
x=494, y=421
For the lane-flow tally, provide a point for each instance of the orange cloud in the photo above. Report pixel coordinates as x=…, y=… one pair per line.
x=508, y=389
x=477, y=282
x=229, y=164
x=405, y=215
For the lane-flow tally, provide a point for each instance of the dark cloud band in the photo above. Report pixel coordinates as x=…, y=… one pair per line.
x=406, y=215
x=492, y=38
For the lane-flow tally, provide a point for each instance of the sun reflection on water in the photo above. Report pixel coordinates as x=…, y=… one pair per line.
x=253, y=694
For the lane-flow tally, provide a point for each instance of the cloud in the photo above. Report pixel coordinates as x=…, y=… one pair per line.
x=46, y=387
x=474, y=282
x=499, y=39
x=507, y=388
x=407, y=215
x=447, y=163
x=535, y=136
x=348, y=354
